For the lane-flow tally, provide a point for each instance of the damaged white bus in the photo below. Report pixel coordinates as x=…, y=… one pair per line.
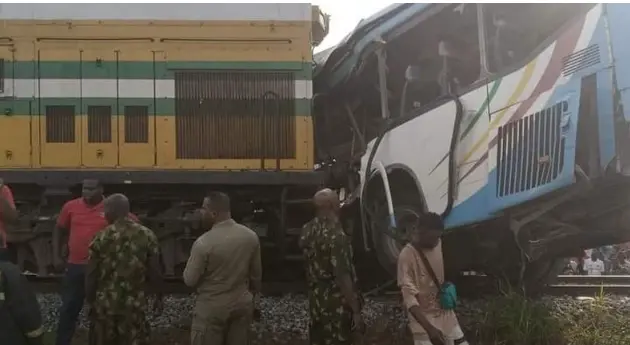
x=508, y=119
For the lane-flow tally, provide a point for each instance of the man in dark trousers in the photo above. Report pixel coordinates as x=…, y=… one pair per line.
x=8, y=215
x=20, y=316
x=81, y=219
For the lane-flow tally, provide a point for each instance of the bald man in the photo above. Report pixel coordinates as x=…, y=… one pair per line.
x=334, y=302
x=122, y=257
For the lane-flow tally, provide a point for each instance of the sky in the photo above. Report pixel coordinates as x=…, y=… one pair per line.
x=344, y=16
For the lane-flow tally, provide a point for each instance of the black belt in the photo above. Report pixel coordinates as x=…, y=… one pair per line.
x=459, y=341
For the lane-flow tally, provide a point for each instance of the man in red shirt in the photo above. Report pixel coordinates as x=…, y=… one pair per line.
x=8, y=215
x=81, y=219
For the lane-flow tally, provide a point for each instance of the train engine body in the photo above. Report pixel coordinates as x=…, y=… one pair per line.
x=161, y=102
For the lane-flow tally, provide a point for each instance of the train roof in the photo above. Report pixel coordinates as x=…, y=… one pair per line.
x=340, y=62
x=164, y=11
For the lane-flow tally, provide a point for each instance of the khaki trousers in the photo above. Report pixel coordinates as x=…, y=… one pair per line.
x=214, y=324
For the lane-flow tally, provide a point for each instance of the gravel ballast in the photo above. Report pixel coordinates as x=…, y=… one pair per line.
x=285, y=319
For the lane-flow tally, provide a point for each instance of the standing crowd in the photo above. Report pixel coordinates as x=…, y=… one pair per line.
x=614, y=260
x=113, y=261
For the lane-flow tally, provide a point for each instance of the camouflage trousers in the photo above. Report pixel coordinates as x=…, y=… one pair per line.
x=131, y=329
x=331, y=320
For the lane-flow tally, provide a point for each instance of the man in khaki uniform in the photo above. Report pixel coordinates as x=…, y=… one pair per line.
x=225, y=268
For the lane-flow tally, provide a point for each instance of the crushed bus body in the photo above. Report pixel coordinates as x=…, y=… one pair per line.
x=511, y=120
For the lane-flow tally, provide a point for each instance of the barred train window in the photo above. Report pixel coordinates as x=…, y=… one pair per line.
x=60, y=124
x=99, y=124
x=2, y=75
x=256, y=109
x=136, y=124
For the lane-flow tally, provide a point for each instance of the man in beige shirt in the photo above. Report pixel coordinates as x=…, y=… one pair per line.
x=428, y=322
x=225, y=268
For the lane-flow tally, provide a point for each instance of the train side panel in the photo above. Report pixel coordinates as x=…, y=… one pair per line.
x=158, y=88
x=161, y=102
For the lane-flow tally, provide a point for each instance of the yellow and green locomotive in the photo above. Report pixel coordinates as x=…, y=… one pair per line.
x=161, y=102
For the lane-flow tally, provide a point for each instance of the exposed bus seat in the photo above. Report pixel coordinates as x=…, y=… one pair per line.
x=503, y=48
x=447, y=77
x=425, y=88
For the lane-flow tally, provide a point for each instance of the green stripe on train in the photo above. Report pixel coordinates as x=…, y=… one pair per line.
x=160, y=106
x=139, y=69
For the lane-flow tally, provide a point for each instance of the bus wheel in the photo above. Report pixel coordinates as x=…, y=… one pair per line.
x=389, y=242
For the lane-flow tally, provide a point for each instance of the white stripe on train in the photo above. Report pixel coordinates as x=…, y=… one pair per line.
x=112, y=88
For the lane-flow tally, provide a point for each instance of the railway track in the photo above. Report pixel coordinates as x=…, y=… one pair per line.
x=567, y=285
x=590, y=285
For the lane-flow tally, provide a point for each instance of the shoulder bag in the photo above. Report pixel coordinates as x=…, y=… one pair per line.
x=447, y=294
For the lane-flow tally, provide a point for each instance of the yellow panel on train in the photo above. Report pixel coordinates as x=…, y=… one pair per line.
x=156, y=88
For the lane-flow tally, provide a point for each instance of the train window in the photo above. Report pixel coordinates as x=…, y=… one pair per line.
x=60, y=126
x=99, y=124
x=515, y=31
x=2, y=75
x=136, y=124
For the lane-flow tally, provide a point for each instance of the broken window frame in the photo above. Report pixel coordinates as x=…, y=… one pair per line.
x=533, y=53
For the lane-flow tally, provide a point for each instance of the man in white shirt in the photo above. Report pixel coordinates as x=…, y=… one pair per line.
x=595, y=266
x=429, y=323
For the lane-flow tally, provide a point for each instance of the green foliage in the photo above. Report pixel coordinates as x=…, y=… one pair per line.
x=596, y=322
x=512, y=319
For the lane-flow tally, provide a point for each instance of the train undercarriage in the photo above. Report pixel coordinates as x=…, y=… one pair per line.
x=276, y=212
x=524, y=255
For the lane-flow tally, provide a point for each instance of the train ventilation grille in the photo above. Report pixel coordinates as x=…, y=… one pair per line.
x=60, y=124
x=530, y=151
x=580, y=60
x=235, y=115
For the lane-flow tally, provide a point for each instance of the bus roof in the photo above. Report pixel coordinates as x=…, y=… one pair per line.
x=340, y=61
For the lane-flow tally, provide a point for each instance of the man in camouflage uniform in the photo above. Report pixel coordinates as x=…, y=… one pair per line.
x=122, y=256
x=334, y=304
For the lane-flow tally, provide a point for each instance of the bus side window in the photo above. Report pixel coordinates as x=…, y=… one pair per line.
x=444, y=46
x=515, y=33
